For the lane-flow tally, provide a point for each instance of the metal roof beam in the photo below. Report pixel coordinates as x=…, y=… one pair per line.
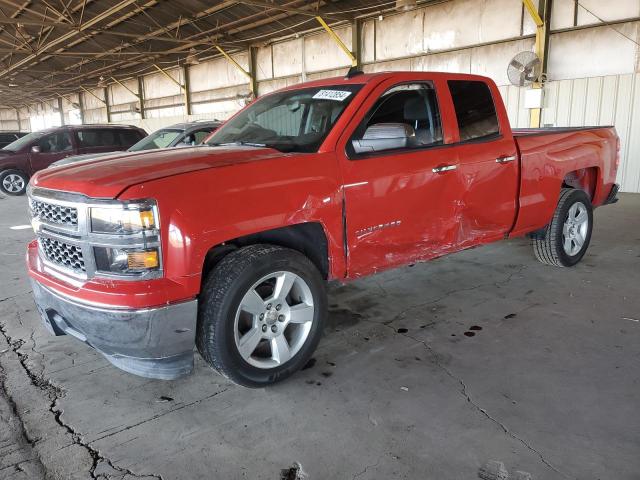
x=309, y=12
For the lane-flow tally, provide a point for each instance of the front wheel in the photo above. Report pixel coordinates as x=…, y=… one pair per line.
x=566, y=238
x=13, y=182
x=261, y=314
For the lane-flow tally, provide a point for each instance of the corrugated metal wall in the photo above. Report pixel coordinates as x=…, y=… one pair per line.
x=612, y=100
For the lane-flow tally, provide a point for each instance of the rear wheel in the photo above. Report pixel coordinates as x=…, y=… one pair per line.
x=566, y=238
x=261, y=314
x=13, y=182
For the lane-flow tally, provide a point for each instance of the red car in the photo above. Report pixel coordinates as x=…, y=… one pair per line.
x=227, y=246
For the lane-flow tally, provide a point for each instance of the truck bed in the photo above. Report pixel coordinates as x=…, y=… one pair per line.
x=582, y=157
x=521, y=132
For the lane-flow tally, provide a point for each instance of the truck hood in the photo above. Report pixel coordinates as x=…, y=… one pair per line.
x=108, y=177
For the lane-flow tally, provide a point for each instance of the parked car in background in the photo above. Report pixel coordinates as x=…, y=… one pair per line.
x=227, y=247
x=8, y=137
x=25, y=156
x=178, y=135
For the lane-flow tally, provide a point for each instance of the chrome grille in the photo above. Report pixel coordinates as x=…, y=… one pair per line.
x=50, y=213
x=63, y=254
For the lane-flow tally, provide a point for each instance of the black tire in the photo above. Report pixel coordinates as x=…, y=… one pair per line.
x=222, y=292
x=548, y=247
x=23, y=178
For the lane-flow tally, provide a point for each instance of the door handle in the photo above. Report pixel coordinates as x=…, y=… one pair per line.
x=505, y=159
x=444, y=168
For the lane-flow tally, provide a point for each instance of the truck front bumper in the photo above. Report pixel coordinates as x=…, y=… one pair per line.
x=153, y=342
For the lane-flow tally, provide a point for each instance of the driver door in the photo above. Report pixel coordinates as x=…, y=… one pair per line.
x=399, y=202
x=51, y=148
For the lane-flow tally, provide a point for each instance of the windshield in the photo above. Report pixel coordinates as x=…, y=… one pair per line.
x=158, y=139
x=20, y=143
x=291, y=121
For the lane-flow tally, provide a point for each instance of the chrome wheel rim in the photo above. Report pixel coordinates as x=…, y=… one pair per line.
x=273, y=320
x=575, y=229
x=13, y=183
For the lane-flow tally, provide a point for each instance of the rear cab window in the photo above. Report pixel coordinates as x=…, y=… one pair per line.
x=475, y=110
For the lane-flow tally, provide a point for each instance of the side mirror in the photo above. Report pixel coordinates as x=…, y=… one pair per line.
x=35, y=149
x=384, y=136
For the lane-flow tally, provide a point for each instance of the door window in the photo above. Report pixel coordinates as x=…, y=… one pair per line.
x=103, y=137
x=128, y=137
x=475, y=109
x=54, y=143
x=408, y=110
x=200, y=135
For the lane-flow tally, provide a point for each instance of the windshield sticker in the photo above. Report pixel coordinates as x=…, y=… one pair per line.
x=336, y=95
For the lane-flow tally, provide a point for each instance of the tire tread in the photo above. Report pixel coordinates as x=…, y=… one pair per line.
x=545, y=249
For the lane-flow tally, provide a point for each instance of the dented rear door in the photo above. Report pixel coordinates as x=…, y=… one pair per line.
x=488, y=164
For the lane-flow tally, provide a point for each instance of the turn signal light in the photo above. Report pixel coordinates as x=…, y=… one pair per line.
x=142, y=260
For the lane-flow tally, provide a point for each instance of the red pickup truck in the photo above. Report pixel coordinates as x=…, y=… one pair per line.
x=227, y=246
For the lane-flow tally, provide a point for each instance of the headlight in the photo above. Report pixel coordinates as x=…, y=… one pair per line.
x=124, y=220
x=126, y=260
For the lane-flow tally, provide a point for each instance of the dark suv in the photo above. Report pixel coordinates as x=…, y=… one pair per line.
x=36, y=151
x=8, y=137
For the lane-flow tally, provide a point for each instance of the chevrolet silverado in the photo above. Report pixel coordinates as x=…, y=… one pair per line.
x=226, y=247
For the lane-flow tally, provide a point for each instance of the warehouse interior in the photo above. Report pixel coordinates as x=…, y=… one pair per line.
x=482, y=364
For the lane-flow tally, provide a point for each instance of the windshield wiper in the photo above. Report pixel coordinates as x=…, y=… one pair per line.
x=239, y=142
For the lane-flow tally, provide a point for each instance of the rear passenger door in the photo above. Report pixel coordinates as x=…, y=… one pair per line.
x=97, y=140
x=488, y=168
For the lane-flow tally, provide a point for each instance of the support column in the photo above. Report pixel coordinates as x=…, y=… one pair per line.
x=141, y=97
x=81, y=107
x=60, y=111
x=542, y=18
x=106, y=104
x=253, y=82
x=187, y=90
x=356, y=42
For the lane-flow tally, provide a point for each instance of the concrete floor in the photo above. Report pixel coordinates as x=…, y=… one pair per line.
x=548, y=385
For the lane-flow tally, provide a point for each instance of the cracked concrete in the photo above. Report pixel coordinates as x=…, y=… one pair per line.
x=547, y=384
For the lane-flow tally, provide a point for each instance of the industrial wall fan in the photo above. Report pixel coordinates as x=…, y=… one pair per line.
x=524, y=69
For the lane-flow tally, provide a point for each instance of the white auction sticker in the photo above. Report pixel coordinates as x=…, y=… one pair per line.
x=337, y=95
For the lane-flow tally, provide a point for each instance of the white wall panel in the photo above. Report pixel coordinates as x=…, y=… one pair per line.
x=612, y=100
x=264, y=63
x=322, y=53
x=607, y=10
x=157, y=85
x=399, y=35
x=118, y=94
x=593, y=52
x=368, y=47
x=469, y=22
x=218, y=73
x=287, y=58
x=562, y=14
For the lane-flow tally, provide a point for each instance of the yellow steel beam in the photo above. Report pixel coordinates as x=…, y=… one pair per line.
x=125, y=87
x=340, y=43
x=93, y=95
x=233, y=62
x=535, y=115
x=164, y=72
x=182, y=87
x=531, y=8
